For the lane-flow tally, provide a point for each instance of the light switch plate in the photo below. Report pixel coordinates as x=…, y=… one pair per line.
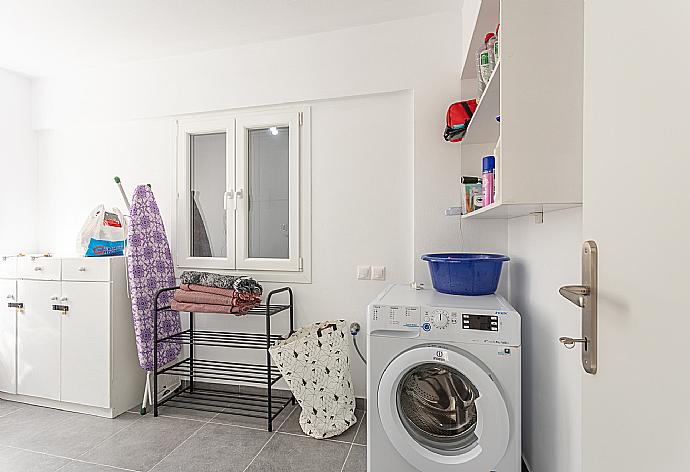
x=378, y=272
x=363, y=272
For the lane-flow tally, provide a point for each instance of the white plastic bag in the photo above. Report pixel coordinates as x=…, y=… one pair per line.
x=315, y=362
x=104, y=233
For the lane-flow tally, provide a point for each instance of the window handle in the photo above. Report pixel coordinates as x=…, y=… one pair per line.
x=227, y=195
x=238, y=194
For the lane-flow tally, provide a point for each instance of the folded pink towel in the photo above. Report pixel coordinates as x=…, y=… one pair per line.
x=210, y=308
x=225, y=292
x=202, y=297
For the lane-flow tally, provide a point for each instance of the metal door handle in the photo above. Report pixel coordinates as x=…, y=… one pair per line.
x=585, y=296
x=569, y=343
x=575, y=293
x=38, y=268
x=82, y=269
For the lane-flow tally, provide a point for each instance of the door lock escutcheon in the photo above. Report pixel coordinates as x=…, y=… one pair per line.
x=585, y=297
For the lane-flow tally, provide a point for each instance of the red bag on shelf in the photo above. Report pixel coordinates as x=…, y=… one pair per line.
x=458, y=119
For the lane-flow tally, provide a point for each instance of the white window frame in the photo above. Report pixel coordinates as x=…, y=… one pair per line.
x=297, y=268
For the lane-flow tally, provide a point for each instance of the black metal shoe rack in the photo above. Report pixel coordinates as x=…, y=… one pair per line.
x=218, y=400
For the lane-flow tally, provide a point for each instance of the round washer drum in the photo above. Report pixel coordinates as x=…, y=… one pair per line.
x=461, y=417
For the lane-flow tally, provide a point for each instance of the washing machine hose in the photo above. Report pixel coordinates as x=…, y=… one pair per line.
x=354, y=331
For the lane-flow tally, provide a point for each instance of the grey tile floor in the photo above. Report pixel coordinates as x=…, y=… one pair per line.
x=35, y=439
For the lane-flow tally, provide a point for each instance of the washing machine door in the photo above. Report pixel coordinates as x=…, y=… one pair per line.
x=442, y=411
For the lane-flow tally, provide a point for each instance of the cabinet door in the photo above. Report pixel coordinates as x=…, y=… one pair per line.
x=85, y=353
x=8, y=337
x=38, y=339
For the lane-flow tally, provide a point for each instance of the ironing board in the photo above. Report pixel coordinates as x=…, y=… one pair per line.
x=150, y=268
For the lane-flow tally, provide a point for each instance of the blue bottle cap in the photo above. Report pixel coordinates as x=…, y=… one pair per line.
x=488, y=164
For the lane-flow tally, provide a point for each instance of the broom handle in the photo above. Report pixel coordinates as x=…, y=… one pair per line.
x=122, y=192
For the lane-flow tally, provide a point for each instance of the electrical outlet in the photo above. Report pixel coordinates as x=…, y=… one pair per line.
x=363, y=272
x=378, y=272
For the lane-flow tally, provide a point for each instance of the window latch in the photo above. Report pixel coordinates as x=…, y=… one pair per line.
x=227, y=195
x=238, y=194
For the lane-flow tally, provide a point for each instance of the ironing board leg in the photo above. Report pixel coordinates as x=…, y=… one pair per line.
x=148, y=387
x=147, y=395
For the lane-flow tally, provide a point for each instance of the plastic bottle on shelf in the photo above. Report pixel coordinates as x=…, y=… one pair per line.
x=482, y=56
x=490, y=41
x=497, y=50
x=485, y=64
x=488, y=171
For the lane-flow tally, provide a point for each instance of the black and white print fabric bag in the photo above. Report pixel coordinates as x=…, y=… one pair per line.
x=315, y=362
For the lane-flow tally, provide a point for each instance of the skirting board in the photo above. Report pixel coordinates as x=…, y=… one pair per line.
x=58, y=405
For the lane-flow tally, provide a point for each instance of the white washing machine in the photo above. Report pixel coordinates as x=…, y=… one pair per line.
x=443, y=385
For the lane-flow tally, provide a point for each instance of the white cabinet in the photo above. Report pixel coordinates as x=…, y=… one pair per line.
x=73, y=337
x=8, y=339
x=536, y=89
x=85, y=360
x=38, y=339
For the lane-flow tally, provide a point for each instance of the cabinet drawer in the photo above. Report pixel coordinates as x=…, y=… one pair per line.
x=41, y=268
x=86, y=269
x=8, y=267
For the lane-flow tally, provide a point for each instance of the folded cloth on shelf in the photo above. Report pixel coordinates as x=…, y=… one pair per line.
x=221, y=291
x=238, y=283
x=210, y=308
x=230, y=297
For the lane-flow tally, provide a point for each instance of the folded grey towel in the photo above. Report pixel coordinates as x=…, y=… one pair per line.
x=240, y=284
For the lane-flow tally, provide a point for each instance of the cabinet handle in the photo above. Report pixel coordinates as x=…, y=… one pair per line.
x=10, y=297
x=54, y=298
x=63, y=299
x=38, y=268
x=82, y=269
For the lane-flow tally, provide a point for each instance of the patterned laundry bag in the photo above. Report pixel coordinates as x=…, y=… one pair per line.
x=315, y=362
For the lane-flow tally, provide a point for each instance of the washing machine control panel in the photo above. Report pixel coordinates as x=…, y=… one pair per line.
x=394, y=317
x=480, y=326
x=402, y=311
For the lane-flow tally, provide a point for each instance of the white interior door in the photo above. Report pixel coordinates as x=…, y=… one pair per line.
x=636, y=409
x=38, y=339
x=8, y=337
x=85, y=344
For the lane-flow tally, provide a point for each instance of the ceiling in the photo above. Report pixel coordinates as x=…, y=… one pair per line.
x=47, y=37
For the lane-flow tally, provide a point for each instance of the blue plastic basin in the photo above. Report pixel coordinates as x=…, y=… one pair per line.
x=465, y=273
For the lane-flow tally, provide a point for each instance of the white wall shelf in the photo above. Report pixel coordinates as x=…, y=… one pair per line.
x=483, y=127
x=486, y=21
x=536, y=88
x=498, y=210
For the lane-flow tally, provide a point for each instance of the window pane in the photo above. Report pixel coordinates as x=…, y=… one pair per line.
x=208, y=187
x=269, y=216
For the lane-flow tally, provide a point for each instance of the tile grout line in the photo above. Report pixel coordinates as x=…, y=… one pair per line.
x=349, y=451
x=13, y=411
x=96, y=463
x=358, y=428
x=260, y=451
x=104, y=440
x=68, y=459
x=342, y=469
x=180, y=445
x=269, y=439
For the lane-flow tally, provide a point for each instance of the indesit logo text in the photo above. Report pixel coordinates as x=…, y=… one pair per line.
x=441, y=356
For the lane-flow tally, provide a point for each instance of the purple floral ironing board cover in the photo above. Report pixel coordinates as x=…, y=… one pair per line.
x=150, y=268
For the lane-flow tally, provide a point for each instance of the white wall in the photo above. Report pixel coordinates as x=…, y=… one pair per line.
x=381, y=173
x=368, y=226
x=18, y=197
x=543, y=258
